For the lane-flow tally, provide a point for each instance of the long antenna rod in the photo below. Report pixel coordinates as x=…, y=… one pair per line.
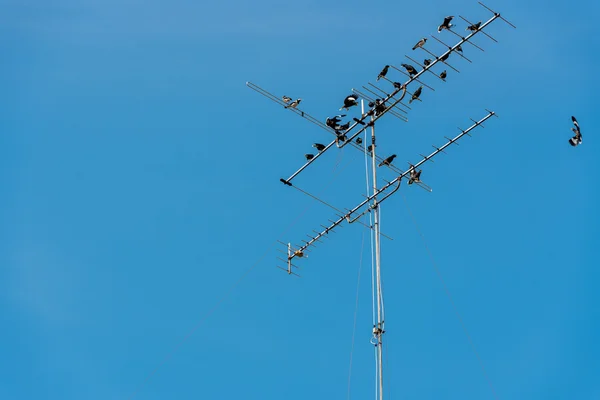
x=378, y=329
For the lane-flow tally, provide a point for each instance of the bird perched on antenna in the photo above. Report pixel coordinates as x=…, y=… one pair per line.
x=410, y=69
x=293, y=104
x=415, y=176
x=459, y=48
x=575, y=140
x=473, y=27
x=309, y=156
x=416, y=94
x=446, y=24
x=388, y=160
x=420, y=43
x=319, y=146
x=398, y=85
x=349, y=101
x=444, y=57
x=427, y=61
x=383, y=72
x=443, y=75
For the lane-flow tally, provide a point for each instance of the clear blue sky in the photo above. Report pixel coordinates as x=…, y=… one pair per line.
x=140, y=181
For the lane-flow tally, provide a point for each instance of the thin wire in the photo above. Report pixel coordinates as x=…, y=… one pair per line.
x=362, y=247
x=447, y=290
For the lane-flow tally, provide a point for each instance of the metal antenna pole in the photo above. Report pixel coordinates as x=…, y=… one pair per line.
x=378, y=328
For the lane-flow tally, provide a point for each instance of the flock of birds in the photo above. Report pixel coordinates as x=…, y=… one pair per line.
x=378, y=106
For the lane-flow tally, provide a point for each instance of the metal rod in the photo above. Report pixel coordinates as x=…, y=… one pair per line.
x=395, y=180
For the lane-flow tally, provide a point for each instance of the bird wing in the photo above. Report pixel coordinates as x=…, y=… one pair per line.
x=576, y=123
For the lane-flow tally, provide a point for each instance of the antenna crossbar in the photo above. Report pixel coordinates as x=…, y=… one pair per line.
x=395, y=181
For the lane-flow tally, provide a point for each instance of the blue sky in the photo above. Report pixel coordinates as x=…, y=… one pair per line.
x=140, y=182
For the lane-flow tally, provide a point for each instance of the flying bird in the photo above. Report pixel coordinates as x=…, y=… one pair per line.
x=427, y=61
x=293, y=104
x=349, y=101
x=443, y=75
x=309, y=156
x=333, y=122
x=446, y=24
x=420, y=43
x=286, y=99
x=383, y=72
x=388, y=160
x=410, y=69
x=415, y=176
x=416, y=94
x=575, y=140
x=474, y=27
x=319, y=146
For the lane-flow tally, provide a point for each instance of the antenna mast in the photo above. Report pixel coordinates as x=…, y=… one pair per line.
x=348, y=134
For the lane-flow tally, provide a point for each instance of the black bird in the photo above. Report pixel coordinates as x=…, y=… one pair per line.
x=359, y=121
x=474, y=27
x=416, y=94
x=426, y=62
x=319, y=146
x=420, y=43
x=370, y=148
x=388, y=160
x=349, y=101
x=397, y=85
x=446, y=24
x=333, y=122
x=358, y=140
x=383, y=72
x=294, y=103
x=443, y=75
x=410, y=69
x=415, y=176
x=309, y=156
x=459, y=48
x=444, y=57
x=575, y=140
x=286, y=99
x=344, y=127
x=379, y=106
x=341, y=137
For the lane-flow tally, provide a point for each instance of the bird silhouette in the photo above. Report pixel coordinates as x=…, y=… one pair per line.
x=416, y=94
x=319, y=146
x=349, y=101
x=420, y=43
x=446, y=24
x=388, y=160
x=575, y=140
x=383, y=72
x=473, y=27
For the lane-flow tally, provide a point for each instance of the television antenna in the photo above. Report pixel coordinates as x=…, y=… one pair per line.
x=347, y=134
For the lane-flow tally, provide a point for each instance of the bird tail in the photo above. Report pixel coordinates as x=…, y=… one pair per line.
x=574, y=142
x=410, y=101
x=414, y=47
x=381, y=164
x=439, y=29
